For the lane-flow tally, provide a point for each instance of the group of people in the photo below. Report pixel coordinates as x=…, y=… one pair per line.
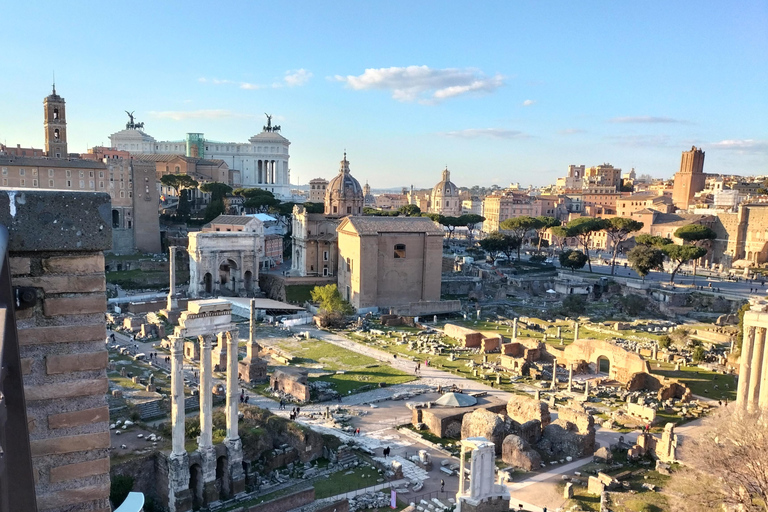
x=295, y=413
x=243, y=397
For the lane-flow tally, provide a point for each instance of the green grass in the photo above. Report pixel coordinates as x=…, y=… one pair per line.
x=432, y=438
x=359, y=371
x=700, y=381
x=298, y=293
x=340, y=482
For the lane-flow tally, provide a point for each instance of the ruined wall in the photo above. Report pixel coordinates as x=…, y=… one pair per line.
x=144, y=474
x=285, y=503
x=467, y=337
x=291, y=383
x=56, y=248
x=623, y=364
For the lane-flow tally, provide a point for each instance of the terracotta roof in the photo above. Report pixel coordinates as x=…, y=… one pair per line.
x=375, y=225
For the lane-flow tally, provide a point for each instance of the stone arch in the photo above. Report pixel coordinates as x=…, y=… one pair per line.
x=208, y=282
x=196, y=485
x=229, y=275
x=603, y=365
x=222, y=478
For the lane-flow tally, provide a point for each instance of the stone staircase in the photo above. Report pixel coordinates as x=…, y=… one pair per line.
x=192, y=403
x=151, y=409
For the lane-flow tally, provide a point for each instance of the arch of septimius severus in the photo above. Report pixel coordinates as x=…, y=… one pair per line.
x=752, y=393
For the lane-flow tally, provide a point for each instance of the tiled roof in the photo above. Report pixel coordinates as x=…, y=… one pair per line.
x=374, y=225
x=171, y=158
x=236, y=220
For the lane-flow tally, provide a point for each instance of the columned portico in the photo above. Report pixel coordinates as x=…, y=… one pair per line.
x=752, y=391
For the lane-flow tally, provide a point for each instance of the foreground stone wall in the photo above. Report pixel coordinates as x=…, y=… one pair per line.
x=56, y=249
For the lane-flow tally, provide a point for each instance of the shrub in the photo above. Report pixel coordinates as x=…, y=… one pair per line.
x=537, y=258
x=119, y=488
x=665, y=341
x=698, y=354
x=575, y=304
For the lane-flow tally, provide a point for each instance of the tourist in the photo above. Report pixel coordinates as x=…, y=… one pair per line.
x=246, y=398
x=298, y=411
x=442, y=485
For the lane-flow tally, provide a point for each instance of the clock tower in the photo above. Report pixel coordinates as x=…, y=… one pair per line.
x=55, y=126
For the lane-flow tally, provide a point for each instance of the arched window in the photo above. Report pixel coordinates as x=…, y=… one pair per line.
x=55, y=113
x=56, y=133
x=177, y=169
x=399, y=251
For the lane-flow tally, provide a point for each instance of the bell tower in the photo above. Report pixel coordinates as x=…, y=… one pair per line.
x=55, y=125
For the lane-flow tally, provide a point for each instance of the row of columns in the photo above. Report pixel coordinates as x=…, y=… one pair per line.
x=752, y=391
x=179, y=459
x=268, y=172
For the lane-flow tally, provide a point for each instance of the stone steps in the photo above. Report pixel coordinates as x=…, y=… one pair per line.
x=151, y=409
x=191, y=403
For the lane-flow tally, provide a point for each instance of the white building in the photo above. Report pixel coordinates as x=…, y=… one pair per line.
x=262, y=161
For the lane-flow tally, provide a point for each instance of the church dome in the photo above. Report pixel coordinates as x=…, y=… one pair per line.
x=445, y=197
x=344, y=195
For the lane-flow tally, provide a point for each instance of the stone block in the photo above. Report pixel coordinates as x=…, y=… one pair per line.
x=78, y=265
x=79, y=470
x=518, y=453
x=75, y=305
x=76, y=418
x=68, y=497
x=62, y=334
x=64, y=284
x=26, y=366
x=69, y=444
x=70, y=390
x=76, y=362
x=20, y=266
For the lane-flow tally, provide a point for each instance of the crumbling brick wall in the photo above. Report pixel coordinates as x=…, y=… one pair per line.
x=56, y=249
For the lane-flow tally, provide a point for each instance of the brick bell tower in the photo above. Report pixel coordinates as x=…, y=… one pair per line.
x=55, y=125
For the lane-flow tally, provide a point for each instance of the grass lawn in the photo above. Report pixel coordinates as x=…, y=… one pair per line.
x=298, y=293
x=702, y=382
x=358, y=370
x=341, y=482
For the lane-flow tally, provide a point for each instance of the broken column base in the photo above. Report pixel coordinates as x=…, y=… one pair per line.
x=252, y=370
x=235, y=459
x=179, y=494
x=498, y=503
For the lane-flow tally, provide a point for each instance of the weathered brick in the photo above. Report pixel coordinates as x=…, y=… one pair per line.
x=65, y=284
x=79, y=470
x=62, y=334
x=75, y=305
x=93, y=264
x=72, y=497
x=26, y=366
x=69, y=444
x=76, y=362
x=20, y=266
x=66, y=390
x=77, y=418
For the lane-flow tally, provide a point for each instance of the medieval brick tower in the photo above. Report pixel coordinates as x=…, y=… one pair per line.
x=55, y=125
x=690, y=179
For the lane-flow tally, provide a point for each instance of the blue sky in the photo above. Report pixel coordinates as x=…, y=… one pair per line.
x=499, y=92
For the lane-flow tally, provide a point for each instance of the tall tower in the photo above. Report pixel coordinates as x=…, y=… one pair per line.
x=690, y=179
x=55, y=125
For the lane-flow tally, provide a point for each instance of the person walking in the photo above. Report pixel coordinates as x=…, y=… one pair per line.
x=442, y=485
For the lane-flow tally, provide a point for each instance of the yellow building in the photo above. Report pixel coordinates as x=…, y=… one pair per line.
x=389, y=261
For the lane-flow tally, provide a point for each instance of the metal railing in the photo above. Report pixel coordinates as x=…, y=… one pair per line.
x=17, y=484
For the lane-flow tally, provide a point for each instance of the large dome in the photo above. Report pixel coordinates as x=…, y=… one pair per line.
x=344, y=195
x=445, y=188
x=445, y=198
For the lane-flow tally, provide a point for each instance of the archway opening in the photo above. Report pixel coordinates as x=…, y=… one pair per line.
x=208, y=282
x=248, y=281
x=196, y=485
x=222, y=477
x=603, y=365
x=115, y=218
x=229, y=276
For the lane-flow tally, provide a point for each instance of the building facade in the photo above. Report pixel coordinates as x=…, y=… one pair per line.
x=690, y=179
x=317, y=188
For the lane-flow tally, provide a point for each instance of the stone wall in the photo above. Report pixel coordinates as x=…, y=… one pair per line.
x=285, y=503
x=56, y=249
x=144, y=474
x=292, y=382
x=623, y=364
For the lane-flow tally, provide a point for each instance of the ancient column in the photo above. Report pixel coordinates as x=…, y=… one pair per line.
x=554, y=374
x=654, y=354
x=576, y=331
x=755, y=372
x=742, y=393
x=172, y=303
x=559, y=332
x=763, y=400
x=233, y=443
x=461, y=472
x=205, y=441
x=514, y=328
x=252, y=325
x=177, y=395
x=586, y=389
x=570, y=378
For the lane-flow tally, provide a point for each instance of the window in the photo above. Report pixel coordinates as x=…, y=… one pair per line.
x=22, y=182
x=22, y=172
x=325, y=270
x=55, y=113
x=69, y=174
x=349, y=209
x=56, y=133
x=399, y=251
x=177, y=169
x=50, y=173
x=349, y=265
x=82, y=183
x=122, y=193
x=69, y=183
x=334, y=210
x=5, y=171
x=90, y=174
x=5, y=182
x=50, y=183
x=90, y=183
x=101, y=184
x=82, y=174
x=325, y=255
x=34, y=172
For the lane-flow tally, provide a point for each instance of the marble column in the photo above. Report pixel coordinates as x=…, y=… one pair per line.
x=177, y=395
x=742, y=393
x=252, y=327
x=172, y=303
x=205, y=441
x=570, y=378
x=586, y=389
x=755, y=376
x=514, y=328
x=559, y=332
x=233, y=442
x=654, y=354
x=554, y=374
x=461, y=472
x=576, y=331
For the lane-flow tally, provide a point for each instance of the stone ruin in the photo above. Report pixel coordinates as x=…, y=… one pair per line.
x=484, y=493
x=524, y=434
x=469, y=338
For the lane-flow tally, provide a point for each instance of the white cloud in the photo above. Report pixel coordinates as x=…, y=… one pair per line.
x=528, y=103
x=297, y=78
x=743, y=145
x=180, y=115
x=422, y=83
x=640, y=141
x=571, y=131
x=250, y=86
x=493, y=133
x=645, y=120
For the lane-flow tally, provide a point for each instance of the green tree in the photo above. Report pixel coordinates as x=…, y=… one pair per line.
x=682, y=254
x=618, y=230
x=494, y=244
x=410, y=210
x=450, y=223
x=119, y=488
x=329, y=299
x=583, y=228
x=257, y=199
x=180, y=183
x=511, y=243
x=216, y=189
x=644, y=258
x=519, y=226
x=471, y=220
x=213, y=210
x=664, y=341
x=541, y=226
x=698, y=354
x=575, y=304
x=698, y=235
x=573, y=260
x=559, y=234
x=314, y=207
x=652, y=240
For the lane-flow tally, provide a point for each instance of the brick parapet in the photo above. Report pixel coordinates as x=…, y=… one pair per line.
x=56, y=249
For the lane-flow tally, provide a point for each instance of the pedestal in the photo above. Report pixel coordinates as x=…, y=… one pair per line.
x=179, y=495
